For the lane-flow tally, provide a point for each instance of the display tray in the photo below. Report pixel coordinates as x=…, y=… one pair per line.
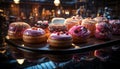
x=44, y=48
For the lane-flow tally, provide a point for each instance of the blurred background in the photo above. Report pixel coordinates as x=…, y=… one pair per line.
x=26, y=10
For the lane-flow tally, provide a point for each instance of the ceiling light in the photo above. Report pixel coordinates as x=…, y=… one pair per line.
x=56, y=2
x=17, y=1
x=20, y=61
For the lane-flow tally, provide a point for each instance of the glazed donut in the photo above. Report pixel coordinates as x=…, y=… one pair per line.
x=57, y=27
x=103, y=31
x=60, y=40
x=115, y=26
x=34, y=35
x=79, y=33
x=70, y=22
x=44, y=25
x=16, y=29
x=89, y=24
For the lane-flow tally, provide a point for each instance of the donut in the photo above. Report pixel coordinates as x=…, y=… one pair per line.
x=103, y=31
x=79, y=33
x=70, y=22
x=44, y=25
x=115, y=26
x=57, y=27
x=60, y=40
x=16, y=29
x=34, y=35
x=89, y=24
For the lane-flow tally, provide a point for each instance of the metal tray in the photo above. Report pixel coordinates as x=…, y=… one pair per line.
x=44, y=48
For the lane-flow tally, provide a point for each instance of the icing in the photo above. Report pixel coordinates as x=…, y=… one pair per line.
x=34, y=32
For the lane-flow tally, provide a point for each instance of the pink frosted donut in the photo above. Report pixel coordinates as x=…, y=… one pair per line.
x=79, y=33
x=16, y=29
x=103, y=31
x=34, y=35
x=115, y=26
x=60, y=40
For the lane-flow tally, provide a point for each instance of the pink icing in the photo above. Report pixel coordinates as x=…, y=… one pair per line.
x=114, y=21
x=101, y=35
x=79, y=30
x=103, y=30
x=115, y=26
x=60, y=36
x=18, y=26
x=103, y=26
x=34, y=32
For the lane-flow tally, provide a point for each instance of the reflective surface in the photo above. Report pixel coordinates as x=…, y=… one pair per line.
x=44, y=48
x=14, y=58
x=21, y=57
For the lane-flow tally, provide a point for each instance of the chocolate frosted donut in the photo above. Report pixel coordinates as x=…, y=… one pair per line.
x=60, y=40
x=79, y=33
x=34, y=35
x=16, y=29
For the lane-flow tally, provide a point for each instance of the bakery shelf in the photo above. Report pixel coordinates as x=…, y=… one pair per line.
x=44, y=48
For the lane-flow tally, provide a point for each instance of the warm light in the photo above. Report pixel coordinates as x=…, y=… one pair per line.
x=23, y=45
x=17, y=1
x=82, y=0
x=12, y=5
x=59, y=12
x=20, y=61
x=56, y=2
x=67, y=12
x=3, y=51
x=36, y=14
x=7, y=37
x=1, y=10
